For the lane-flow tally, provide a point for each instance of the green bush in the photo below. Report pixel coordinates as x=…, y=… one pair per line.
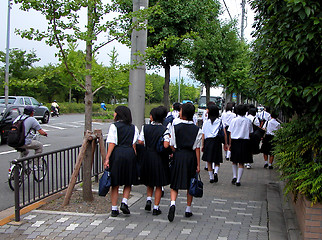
x=298, y=155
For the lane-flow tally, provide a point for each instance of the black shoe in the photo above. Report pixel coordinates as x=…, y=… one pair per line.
x=238, y=184
x=115, y=213
x=233, y=181
x=206, y=168
x=211, y=180
x=148, y=205
x=227, y=159
x=188, y=214
x=162, y=194
x=266, y=165
x=124, y=208
x=270, y=167
x=156, y=212
x=172, y=210
x=216, y=177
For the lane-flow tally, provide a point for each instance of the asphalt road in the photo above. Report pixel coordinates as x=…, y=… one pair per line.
x=63, y=131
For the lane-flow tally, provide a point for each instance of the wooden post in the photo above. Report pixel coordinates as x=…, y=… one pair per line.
x=99, y=135
x=79, y=160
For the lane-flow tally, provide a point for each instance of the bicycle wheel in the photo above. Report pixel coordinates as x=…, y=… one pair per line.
x=40, y=169
x=11, y=180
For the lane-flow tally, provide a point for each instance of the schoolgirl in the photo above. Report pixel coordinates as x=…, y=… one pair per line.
x=240, y=129
x=226, y=118
x=155, y=171
x=254, y=141
x=185, y=142
x=264, y=116
x=211, y=142
x=121, y=157
x=271, y=127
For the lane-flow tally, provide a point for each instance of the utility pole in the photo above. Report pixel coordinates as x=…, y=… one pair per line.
x=6, y=77
x=239, y=96
x=137, y=75
x=179, y=84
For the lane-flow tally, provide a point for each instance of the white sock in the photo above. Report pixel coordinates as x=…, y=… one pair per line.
x=213, y=165
x=162, y=188
x=156, y=207
x=240, y=174
x=188, y=209
x=216, y=169
x=266, y=162
x=211, y=175
x=149, y=198
x=124, y=200
x=269, y=164
x=173, y=203
x=234, y=170
x=114, y=208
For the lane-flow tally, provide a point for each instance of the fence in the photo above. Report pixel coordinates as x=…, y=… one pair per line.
x=42, y=175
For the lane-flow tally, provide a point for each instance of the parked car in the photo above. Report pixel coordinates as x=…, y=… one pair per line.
x=7, y=115
x=41, y=112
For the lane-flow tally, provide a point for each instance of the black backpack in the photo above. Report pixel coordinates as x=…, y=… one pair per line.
x=16, y=134
x=167, y=120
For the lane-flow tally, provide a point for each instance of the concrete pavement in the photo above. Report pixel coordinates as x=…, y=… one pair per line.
x=255, y=210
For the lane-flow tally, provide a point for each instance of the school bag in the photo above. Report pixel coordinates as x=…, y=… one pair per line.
x=167, y=120
x=16, y=134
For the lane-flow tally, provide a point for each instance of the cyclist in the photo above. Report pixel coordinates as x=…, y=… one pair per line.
x=55, y=107
x=30, y=124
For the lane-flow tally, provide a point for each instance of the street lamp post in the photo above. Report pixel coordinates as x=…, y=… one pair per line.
x=6, y=85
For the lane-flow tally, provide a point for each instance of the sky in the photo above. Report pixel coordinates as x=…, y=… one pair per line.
x=25, y=20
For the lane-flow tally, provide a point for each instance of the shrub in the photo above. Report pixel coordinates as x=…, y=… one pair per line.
x=298, y=156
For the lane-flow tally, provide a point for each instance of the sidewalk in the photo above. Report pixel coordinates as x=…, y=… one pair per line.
x=225, y=212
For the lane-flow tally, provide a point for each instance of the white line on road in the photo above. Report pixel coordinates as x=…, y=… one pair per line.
x=14, y=151
x=52, y=126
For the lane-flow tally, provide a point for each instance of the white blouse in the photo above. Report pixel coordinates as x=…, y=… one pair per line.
x=227, y=117
x=254, y=120
x=173, y=143
x=240, y=127
x=166, y=134
x=112, y=135
x=210, y=130
x=272, y=126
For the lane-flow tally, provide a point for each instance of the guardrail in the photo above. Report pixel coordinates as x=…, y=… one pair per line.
x=39, y=176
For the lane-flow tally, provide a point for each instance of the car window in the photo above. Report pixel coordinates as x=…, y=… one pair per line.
x=27, y=101
x=14, y=113
x=34, y=102
x=21, y=101
x=10, y=100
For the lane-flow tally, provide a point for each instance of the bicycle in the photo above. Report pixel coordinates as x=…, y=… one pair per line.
x=39, y=170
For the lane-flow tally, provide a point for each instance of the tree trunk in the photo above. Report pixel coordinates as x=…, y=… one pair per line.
x=87, y=167
x=166, y=87
x=207, y=85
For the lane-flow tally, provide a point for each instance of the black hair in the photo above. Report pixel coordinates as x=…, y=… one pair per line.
x=176, y=106
x=230, y=106
x=213, y=112
x=241, y=109
x=252, y=111
x=158, y=114
x=123, y=113
x=268, y=109
x=188, y=110
x=210, y=103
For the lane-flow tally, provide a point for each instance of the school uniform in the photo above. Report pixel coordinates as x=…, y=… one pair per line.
x=271, y=126
x=254, y=139
x=240, y=129
x=185, y=138
x=155, y=170
x=123, y=162
x=226, y=118
x=212, y=151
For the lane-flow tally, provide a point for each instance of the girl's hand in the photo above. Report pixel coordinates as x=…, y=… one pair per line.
x=202, y=149
x=198, y=169
x=226, y=147
x=106, y=163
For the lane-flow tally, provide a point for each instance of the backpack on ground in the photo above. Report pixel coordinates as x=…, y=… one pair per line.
x=16, y=134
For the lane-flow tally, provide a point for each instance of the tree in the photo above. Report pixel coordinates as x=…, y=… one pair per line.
x=63, y=28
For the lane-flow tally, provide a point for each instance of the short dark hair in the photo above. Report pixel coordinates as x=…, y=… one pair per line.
x=188, y=110
x=176, y=106
x=241, y=109
x=252, y=111
x=274, y=114
x=210, y=103
x=230, y=106
x=158, y=114
x=213, y=112
x=123, y=113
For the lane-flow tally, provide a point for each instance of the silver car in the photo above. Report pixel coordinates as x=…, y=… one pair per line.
x=41, y=112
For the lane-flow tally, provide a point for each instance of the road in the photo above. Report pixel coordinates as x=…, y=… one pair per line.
x=63, y=131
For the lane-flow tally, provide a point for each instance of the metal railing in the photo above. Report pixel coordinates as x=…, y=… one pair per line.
x=39, y=176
